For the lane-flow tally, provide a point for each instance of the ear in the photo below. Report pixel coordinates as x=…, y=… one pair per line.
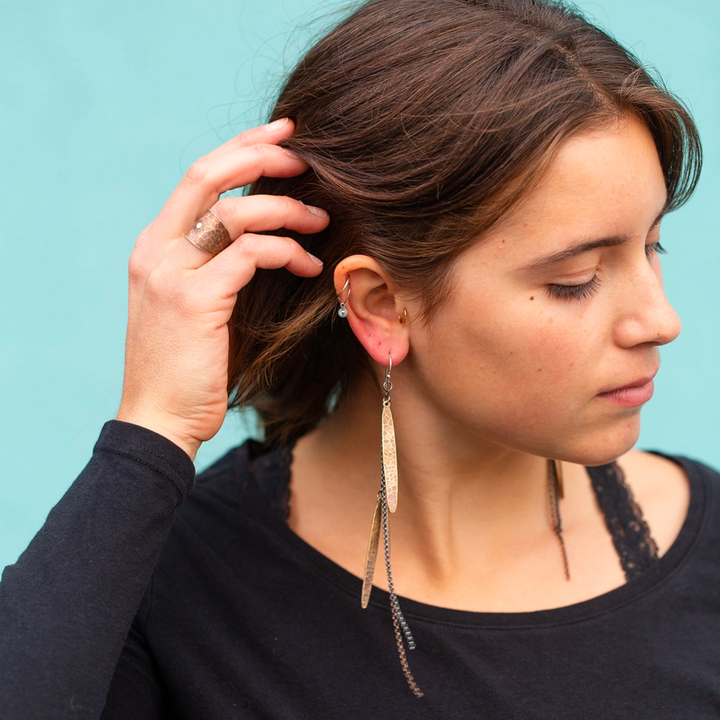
x=374, y=308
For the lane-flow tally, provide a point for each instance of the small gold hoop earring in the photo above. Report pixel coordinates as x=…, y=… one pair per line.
x=403, y=318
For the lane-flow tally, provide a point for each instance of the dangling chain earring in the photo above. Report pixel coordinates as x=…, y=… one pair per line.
x=386, y=504
x=556, y=491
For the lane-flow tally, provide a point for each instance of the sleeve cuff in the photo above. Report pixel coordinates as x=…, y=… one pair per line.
x=150, y=448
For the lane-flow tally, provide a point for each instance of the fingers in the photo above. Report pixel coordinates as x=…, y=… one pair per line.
x=232, y=269
x=162, y=249
x=269, y=212
x=208, y=178
x=272, y=133
x=237, y=163
x=256, y=213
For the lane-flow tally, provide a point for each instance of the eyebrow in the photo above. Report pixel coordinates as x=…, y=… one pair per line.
x=576, y=250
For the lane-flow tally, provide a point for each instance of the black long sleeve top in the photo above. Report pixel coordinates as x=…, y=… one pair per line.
x=128, y=606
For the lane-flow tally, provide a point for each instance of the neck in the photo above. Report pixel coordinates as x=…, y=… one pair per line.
x=455, y=491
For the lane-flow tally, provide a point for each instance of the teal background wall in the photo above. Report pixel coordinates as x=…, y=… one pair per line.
x=102, y=107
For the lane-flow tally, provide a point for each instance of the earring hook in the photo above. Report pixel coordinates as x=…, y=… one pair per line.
x=387, y=385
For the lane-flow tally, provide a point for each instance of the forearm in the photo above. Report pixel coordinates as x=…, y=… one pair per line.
x=67, y=604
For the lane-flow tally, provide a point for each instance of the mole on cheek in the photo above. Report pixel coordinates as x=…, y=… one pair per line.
x=532, y=297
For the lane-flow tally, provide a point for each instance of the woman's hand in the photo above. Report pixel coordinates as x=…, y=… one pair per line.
x=181, y=298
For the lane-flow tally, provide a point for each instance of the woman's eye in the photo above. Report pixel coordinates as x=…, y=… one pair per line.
x=654, y=249
x=585, y=290
x=574, y=292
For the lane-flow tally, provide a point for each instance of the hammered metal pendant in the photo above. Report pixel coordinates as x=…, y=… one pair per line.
x=371, y=557
x=557, y=469
x=389, y=457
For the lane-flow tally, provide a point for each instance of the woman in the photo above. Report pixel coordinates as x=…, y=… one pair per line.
x=484, y=183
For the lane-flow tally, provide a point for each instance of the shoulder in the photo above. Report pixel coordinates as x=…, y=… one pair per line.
x=663, y=486
x=656, y=472
x=249, y=481
x=229, y=526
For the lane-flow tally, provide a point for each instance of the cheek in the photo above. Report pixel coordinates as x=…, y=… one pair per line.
x=525, y=378
x=516, y=365
x=531, y=354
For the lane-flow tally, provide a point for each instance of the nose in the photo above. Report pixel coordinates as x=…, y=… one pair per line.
x=645, y=315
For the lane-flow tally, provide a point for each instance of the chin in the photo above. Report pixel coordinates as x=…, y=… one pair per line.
x=606, y=444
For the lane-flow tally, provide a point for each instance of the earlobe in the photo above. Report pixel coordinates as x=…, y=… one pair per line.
x=373, y=308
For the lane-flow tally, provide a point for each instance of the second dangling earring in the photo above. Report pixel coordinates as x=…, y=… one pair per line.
x=556, y=491
x=387, y=499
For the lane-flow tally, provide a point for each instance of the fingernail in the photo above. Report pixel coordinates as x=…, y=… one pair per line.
x=292, y=154
x=277, y=124
x=317, y=261
x=317, y=211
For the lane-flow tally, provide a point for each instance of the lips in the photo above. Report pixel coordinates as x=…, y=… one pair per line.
x=633, y=394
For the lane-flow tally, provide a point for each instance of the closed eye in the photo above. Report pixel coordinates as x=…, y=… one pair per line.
x=574, y=292
x=586, y=290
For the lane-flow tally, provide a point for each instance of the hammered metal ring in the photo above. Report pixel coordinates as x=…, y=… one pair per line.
x=209, y=234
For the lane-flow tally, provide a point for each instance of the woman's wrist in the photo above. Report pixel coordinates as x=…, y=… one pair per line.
x=161, y=426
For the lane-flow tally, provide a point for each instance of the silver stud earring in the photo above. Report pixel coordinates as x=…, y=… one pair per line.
x=342, y=310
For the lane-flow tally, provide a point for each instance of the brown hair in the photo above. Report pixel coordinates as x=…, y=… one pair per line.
x=424, y=122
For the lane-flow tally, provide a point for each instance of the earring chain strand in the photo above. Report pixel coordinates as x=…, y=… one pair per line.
x=397, y=614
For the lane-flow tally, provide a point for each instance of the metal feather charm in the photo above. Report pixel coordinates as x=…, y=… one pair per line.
x=389, y=457
x=372, y=553
x=558, y=470
x=555, y=492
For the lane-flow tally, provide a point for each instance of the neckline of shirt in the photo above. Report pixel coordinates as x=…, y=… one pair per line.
x=276, y=466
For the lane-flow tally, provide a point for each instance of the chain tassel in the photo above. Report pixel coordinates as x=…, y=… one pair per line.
x=399, y=622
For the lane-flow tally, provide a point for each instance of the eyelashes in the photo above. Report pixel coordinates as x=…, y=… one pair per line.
x=655, y=249
x=588, y=289
x=574, y=292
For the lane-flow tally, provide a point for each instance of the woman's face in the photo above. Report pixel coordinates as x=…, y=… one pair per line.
x=560, y=304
